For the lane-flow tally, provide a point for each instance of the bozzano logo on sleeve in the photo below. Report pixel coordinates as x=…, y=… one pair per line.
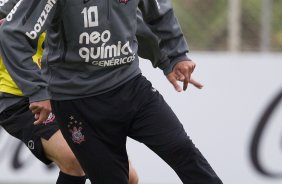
x=41, y=20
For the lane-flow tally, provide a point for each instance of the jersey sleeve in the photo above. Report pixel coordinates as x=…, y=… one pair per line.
x=6, y=7
x=149, y=44
x=159, y=17
x=18, y=43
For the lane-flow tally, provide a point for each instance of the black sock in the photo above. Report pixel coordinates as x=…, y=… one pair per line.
x=68, y=179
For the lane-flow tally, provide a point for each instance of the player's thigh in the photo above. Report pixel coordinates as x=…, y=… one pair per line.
x=156, y=123
x=57, y=149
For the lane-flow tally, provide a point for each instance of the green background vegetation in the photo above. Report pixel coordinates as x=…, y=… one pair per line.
x=205, y=23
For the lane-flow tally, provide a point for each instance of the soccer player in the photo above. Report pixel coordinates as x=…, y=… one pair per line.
x=45, y=141
x=91, y=70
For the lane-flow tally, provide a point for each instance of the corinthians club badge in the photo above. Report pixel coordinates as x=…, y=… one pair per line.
x=75, y=129
x=123, y=1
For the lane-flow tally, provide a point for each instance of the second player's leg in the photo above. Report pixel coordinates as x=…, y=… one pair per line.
x=44, y=141
x=57, y=150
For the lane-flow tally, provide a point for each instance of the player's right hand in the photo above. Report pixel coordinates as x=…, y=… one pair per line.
x=41, y=111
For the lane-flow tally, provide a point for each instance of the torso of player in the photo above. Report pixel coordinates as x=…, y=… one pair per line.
x=95, y=49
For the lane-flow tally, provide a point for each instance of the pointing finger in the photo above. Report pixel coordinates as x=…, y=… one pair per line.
x=196, y=84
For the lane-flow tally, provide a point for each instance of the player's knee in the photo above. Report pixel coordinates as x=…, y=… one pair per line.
x=70, y=165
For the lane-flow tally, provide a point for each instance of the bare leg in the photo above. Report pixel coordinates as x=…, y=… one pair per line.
x=57, y=150
x=133, y=177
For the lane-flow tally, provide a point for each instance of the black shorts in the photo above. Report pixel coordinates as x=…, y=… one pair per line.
x=18, y=120
x=96, y=129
